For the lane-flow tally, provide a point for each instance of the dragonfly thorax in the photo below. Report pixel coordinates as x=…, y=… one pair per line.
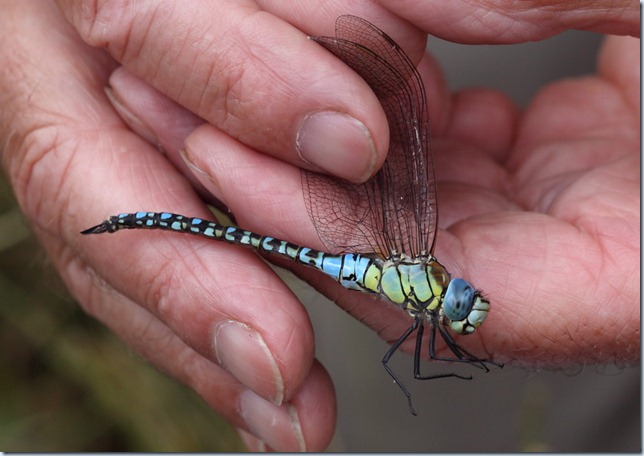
x=416, y=284
x=422, y=285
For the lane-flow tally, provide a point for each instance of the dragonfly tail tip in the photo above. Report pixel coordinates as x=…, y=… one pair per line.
x=102, y=228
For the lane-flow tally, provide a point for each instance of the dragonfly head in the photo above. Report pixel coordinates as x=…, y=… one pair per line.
x=464, y=307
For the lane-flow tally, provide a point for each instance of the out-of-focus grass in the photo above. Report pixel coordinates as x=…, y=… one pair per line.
x=68, y=384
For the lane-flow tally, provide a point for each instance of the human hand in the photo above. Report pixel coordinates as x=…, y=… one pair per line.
x=170, y=307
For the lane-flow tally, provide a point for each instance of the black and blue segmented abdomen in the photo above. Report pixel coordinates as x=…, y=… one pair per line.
x=352, y=270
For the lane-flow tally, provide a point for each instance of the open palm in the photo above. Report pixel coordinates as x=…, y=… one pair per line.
x=541, y=210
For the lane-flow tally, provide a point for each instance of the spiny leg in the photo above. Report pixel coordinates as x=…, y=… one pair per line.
x=417, y=325
x=389, y=354
x=462, y=355
x=417, y=355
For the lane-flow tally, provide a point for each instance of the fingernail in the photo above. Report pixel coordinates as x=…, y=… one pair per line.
x=242, y=352
x=338, y=144
x=277, y=426
x=133, y=121
x=253, y=444
x=207, y=180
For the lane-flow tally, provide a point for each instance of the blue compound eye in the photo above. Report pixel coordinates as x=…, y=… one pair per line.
x=459, y=299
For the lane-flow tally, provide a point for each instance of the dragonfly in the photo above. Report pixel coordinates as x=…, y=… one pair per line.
x=379, y=235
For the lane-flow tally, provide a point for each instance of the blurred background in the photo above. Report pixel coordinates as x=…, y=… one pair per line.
x=67, y=384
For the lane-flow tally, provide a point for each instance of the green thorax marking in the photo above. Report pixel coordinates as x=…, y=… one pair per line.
x=414, y=284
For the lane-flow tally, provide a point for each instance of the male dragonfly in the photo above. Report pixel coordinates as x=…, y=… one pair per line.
x=381, y=232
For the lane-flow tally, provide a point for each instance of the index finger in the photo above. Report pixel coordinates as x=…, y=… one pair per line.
x=250, y=74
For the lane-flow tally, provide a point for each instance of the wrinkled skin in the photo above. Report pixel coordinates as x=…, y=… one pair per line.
x=539, y=208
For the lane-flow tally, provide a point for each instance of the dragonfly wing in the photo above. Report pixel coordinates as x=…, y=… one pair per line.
x=395, y=211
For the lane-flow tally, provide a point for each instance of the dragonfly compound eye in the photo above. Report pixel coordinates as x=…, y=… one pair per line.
x=459, y=299
x=464, y=307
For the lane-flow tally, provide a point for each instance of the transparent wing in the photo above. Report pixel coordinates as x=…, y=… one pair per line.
x=395, y=211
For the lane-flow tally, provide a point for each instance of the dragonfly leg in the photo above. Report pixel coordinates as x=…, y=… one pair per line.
x=389, y=354
x=462, y=355
x=417, y=355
